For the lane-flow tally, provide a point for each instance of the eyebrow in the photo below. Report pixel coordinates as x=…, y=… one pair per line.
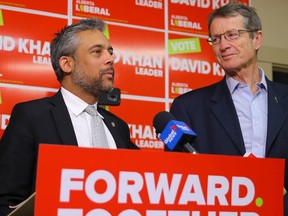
x=101, y=46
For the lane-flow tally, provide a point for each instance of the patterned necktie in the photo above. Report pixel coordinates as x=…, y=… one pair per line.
x=99, y=139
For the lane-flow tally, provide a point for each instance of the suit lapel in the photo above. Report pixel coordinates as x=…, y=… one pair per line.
x=277, y=113
x=223, y=108
x=113, y=127
x=62, y=120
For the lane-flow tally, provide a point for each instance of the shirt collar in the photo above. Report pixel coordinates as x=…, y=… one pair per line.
x=233, y=84
x=74, y=103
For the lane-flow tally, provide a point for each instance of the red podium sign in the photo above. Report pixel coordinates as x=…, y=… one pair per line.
x=73, y=181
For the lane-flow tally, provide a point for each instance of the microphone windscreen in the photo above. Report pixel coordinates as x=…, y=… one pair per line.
x=161, y=120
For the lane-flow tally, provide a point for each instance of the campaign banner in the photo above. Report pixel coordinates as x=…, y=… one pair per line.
x=25, y=49
x=191, y=64
x=125, y=11
x=139, y=60
x=84, y=181
x=139, y=115
x=52, y=6
x=158, y=55
x=191, y=16
x=9, y=96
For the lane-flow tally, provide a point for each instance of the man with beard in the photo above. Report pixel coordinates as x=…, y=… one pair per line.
x=82, y=59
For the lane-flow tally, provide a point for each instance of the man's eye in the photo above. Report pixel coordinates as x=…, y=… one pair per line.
x=215, y=39
x=232, y=34
x=96, y=51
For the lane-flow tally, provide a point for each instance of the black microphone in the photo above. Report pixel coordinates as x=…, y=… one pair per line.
x=175, y=134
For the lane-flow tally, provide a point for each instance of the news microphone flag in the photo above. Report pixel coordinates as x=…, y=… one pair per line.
x=174, y=131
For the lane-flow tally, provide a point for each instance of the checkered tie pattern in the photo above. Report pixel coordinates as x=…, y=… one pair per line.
x=99, y=139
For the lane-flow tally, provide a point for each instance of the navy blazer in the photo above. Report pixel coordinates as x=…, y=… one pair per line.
x=210, y=112
x=40, y=121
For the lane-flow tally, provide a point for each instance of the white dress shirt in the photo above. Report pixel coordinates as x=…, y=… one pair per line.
x=81, y=120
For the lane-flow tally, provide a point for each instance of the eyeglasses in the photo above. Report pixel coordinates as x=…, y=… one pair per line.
x=228, y=35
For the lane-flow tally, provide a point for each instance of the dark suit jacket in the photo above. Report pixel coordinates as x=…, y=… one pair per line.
x=210, y=112
x=40, y=121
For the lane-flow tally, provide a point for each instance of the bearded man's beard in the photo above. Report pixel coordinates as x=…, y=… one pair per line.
x=94, y=87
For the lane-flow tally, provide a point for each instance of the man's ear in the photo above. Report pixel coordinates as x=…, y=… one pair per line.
x=258, y=39
x=66, y=63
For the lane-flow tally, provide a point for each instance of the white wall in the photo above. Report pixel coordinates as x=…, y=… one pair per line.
x=274, y=16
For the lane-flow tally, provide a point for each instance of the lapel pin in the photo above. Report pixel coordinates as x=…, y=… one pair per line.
x=113, y=124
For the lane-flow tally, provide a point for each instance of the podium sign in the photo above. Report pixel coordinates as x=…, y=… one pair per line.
x=74, y=181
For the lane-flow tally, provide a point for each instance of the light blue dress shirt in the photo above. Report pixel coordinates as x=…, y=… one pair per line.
x=252, y=113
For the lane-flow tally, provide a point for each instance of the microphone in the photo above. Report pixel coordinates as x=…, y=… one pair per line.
x=175, y=134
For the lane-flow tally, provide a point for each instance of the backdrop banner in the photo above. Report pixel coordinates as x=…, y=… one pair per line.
x=160, y=48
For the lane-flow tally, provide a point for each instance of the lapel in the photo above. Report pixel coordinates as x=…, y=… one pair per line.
x=110, y=122
x=62, y=120
x=113, y=127
x=223, y=108
x=277, y=112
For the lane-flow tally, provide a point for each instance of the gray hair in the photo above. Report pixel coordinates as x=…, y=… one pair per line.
x=252, y=21
x=66, y=42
